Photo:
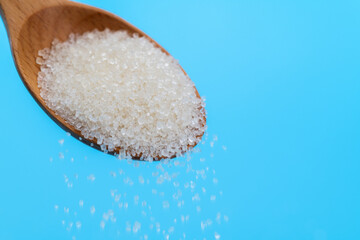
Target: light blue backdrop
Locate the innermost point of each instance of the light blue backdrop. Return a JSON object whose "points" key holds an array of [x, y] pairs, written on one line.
{"points": [[282, 83]]}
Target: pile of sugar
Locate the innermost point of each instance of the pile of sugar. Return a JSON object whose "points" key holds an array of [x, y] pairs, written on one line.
{"points": [[123, 91]]}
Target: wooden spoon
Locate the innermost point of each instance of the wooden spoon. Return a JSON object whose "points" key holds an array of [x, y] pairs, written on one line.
{"points": [[32, 25]]}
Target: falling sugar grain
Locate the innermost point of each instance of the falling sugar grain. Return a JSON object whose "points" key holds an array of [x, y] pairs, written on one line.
{"points": [[164, 200], [92, 209]]}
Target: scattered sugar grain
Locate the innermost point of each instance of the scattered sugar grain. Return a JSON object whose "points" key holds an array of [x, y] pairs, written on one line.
{"points": [[61, 141], [136, 199], [166, 204], [215, 180], [157, 225], [92, 209], [141, 179], [128, 227], [136, 227], [218, 217], [112, 192], [123, 91], [91, 177], [117, 197], [102, 224], [203, 225], [78, 224], [66, 210], [69, 227]]}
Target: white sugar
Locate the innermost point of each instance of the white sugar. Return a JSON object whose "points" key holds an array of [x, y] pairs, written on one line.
{"points": [[122, 91], [91, 177], [92, 209], [136, 227], [102, 224], [166, 204], [78, 224], [66, 210]]}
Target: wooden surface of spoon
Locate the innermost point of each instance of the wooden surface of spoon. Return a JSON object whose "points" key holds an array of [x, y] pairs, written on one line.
{"points": [[33, 24]]}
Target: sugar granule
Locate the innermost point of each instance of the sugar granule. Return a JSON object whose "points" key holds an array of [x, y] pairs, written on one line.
{"points": [[92, 209], [122, 91]]}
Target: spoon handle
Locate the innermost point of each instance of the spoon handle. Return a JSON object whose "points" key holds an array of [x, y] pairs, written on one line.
{"points": [[15, 13]]}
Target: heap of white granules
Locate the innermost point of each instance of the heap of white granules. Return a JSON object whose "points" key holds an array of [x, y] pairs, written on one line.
{"points": [[123, 91]]}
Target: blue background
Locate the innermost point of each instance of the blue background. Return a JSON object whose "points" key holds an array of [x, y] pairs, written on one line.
{"points": [[282, 83]]}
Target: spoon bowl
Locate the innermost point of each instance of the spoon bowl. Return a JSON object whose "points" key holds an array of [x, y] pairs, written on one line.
{"points": [[33, 25]]}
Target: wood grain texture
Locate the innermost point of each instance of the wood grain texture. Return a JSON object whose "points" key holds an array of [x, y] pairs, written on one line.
{"points": [[33, 24]]}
